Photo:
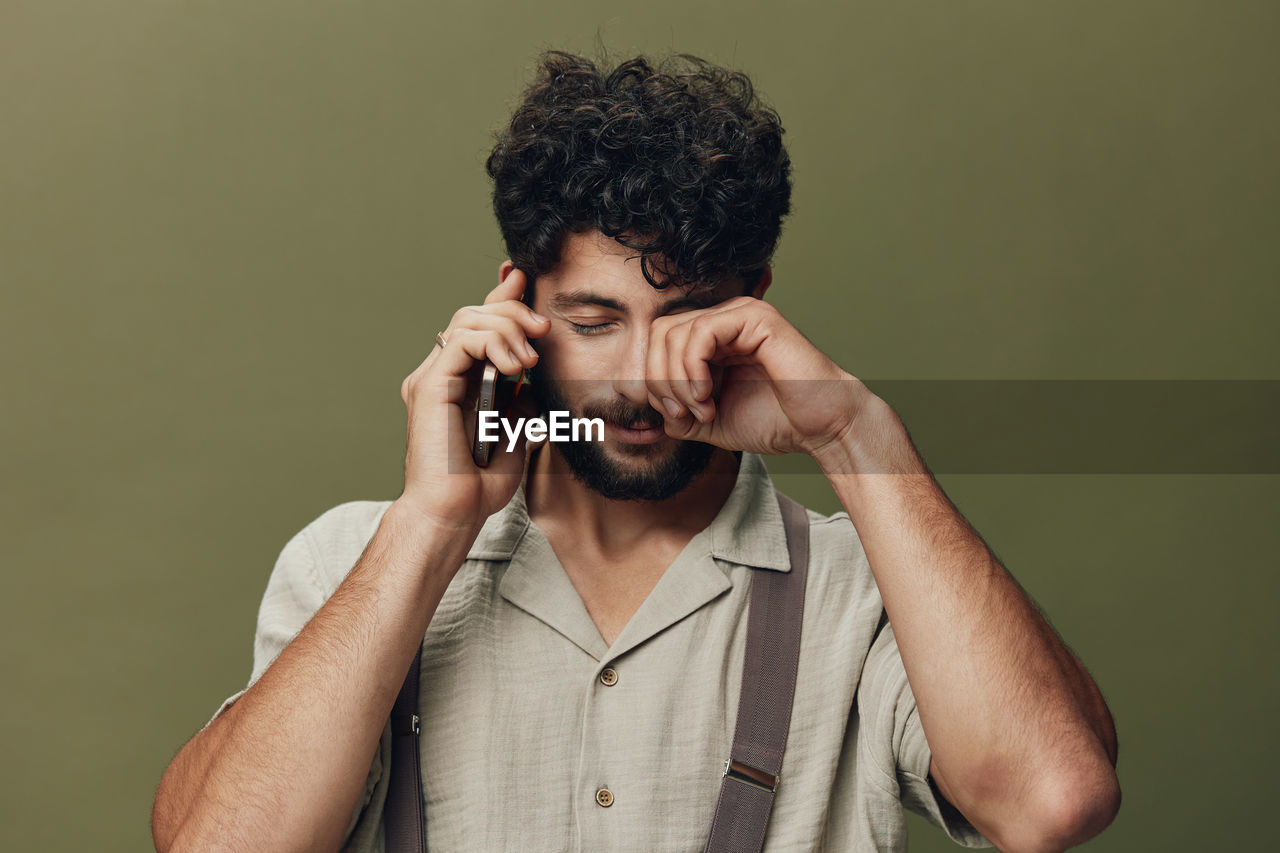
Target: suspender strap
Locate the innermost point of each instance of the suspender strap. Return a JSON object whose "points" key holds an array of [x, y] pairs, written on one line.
{"points": [[769, 669], [406, 824]]}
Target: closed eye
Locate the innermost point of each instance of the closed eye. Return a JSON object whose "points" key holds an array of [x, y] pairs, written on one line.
{"points": [[582, 329]]}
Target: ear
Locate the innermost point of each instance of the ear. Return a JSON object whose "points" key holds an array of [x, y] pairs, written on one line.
{"points": [[765, 280], [504, 270]]}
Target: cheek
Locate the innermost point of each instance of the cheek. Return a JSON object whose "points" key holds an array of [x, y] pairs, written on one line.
{"points": [[572, 363], [578, 357]]}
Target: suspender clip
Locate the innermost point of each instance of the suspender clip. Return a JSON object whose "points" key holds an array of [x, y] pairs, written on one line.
{"points": [[752, 776], [405, 724]]}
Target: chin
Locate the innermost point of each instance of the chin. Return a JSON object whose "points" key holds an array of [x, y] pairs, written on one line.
{"points": [[651, 472]]}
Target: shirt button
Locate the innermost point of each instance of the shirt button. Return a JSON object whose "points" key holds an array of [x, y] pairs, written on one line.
{"points": [[604, 797], [609, 677]]}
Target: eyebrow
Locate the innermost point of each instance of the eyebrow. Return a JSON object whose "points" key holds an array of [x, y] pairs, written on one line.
{"points": [[580, 297]]}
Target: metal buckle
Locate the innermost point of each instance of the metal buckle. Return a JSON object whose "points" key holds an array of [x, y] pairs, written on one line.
{"points": [[752, 776], [407, 724]]}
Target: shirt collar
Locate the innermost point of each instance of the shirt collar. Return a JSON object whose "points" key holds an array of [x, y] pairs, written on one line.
{"points": [[747, 530]]}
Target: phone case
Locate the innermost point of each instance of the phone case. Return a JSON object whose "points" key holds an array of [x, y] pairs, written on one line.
{"points": [[498, 393]]}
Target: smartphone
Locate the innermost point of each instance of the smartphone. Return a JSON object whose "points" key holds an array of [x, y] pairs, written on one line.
{"points": [[497, 393]]}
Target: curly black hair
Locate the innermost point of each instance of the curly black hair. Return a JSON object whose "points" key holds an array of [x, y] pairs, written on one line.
{"points": [[684, 164]]}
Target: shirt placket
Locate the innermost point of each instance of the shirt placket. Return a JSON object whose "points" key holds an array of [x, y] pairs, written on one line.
{"points": [[600, 780]]}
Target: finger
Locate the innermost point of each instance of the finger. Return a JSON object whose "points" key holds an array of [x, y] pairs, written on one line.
{"points": [[512, 287], [534, 324], [467, 346], [697, 369], [685, 428], [657, 381], [489, 318], [676, 342], [729, 337]]}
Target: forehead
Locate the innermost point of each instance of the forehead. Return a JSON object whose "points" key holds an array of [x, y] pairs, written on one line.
{"points": [[595, 263]]}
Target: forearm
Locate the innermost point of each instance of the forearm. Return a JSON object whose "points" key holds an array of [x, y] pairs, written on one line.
{"points": [[281, 769], [1014, 723]]}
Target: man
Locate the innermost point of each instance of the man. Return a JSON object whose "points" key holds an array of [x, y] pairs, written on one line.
{"points": [[581, 607]]}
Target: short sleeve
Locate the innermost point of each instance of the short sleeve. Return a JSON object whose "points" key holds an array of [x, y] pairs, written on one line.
{"points": [[901, 752], [292, 597], [307, 571]]}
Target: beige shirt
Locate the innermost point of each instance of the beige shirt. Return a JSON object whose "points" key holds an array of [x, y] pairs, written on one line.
{"points": [[527, 715]]}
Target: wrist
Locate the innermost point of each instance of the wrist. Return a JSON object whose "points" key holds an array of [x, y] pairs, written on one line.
{"points": [[432, 519], [428, 535], [834, 449], [874, 441]]}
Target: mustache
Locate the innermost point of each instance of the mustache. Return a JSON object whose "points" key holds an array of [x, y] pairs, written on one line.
{"points": [[550, 394], [623, 414]]}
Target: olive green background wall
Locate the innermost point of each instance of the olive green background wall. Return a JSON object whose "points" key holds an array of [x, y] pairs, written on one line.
{"points": [[229, 230]]}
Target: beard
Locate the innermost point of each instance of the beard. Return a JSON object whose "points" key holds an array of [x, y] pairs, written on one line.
{"points": [[590, 464]]}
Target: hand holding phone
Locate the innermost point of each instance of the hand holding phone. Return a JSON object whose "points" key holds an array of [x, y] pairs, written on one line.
{"points": [[486, 349]]}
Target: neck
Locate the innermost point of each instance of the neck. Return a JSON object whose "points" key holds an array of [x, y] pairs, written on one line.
{"points": [[557, 502]]}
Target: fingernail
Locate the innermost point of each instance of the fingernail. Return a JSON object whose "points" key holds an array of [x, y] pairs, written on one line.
{"points": [[701, 388], [528, 348], [672, 407], [540, 318]]}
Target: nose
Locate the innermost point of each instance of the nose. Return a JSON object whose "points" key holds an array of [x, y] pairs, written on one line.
{"points": [[629, 381]]}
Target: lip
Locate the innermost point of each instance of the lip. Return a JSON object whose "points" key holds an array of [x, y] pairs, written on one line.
{"points": [[636, 436]]}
